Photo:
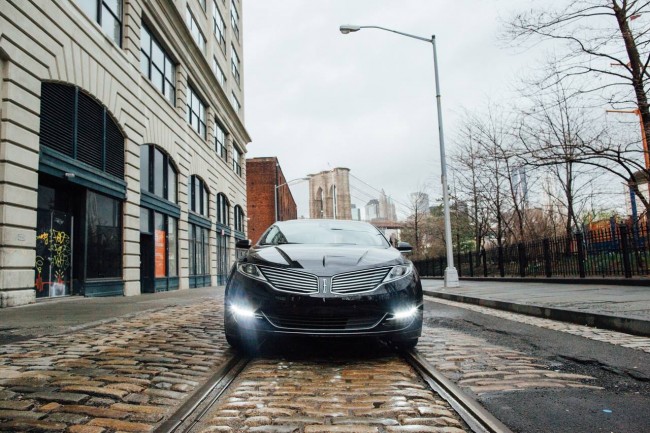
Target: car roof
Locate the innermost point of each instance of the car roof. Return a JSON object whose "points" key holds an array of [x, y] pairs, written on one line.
{"points": [[323, 220]]}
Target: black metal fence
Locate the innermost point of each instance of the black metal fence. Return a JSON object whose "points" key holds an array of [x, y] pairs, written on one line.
{"points": [[619, 251]]}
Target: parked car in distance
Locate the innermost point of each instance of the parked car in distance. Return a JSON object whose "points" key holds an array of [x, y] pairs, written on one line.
{"points": [[323, 278]]}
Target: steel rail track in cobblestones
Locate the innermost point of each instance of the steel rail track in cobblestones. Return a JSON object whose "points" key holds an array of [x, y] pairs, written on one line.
{"points": [[188, 415], [199, 404], [476, 417]]}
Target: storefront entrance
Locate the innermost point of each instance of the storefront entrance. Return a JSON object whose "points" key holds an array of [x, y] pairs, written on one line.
{"points": [[54, 240], [147, 279], [78, 241]]}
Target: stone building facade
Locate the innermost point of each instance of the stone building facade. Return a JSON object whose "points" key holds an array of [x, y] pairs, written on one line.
{"points": [[264, 179], [329, 194], [122, 146]]}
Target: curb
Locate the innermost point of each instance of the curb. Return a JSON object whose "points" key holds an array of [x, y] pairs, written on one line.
{"points": [[556, 280], [602, 321]]}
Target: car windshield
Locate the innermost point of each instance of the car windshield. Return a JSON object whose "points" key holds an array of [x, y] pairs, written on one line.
{"points": [[324, 232]]}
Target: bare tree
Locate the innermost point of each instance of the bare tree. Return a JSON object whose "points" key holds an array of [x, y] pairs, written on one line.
{"points": [[607, 46], [497, 143], [553, 134], [418, 209], [470, 171]]}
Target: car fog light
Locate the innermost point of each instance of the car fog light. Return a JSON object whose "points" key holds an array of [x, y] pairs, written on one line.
{"points": [[243, 312], [405, 314]]}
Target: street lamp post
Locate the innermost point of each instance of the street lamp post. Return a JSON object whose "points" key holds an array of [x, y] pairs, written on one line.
{"points": [[276, 189], [451, 274]]}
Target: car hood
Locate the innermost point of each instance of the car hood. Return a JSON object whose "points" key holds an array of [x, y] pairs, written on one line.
{"points": [[325, 260]]}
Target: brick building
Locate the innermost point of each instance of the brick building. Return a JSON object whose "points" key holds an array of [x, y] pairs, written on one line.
{"points": [[262, 177], [122, 142]]}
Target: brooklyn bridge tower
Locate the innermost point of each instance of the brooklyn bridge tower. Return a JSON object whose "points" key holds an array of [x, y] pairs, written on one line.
{"points": [[329, 194]]}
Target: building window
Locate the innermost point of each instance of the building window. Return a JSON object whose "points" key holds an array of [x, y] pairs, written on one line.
{"points": [[220, 140], [104, 234], [223, 210], [221, 77], [76, 125], [236, 161], [234, 19], [199, 246], [156, 65], [197, 35], [235, 102], [157, 173], [219, 27], [223, 257], [198, 196], [108, 14], [165, 245], [234, 63], [239, 219], [195, 112]]}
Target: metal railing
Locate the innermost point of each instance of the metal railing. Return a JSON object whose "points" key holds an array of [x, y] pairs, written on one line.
{"points": [[621, 251]]}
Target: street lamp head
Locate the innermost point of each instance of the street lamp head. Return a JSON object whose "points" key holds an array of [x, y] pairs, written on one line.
{"points": [[347, 28]]}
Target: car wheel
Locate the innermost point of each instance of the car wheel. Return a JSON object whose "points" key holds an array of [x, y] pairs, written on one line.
{"points": [[233, 341], [242, 343], [232, 332]]}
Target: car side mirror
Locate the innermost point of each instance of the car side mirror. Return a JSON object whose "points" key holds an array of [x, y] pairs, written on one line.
{"points": [[243, 244], [404, 247]]}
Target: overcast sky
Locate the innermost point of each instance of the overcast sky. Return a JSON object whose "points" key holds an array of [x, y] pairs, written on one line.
{"points": [[318, 99]]}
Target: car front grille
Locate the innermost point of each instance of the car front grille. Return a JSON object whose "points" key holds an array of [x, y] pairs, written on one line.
{"points": [[312, 322], [289, 280], [358, 281]]}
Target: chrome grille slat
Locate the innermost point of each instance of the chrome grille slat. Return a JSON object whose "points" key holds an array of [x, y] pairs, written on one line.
{"points": [[359, 281], [289, 280], [311, 322]]}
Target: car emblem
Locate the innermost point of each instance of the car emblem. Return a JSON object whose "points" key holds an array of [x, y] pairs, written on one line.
{"points": [[324, 280]]}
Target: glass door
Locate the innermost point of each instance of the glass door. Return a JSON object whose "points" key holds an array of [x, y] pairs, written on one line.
{"points": [[53, 268]]}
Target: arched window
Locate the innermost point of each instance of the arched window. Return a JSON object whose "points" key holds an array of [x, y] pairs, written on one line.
{"points": [[239, 219], [320, 204], [76, 125], [223, 238], [157, 173], [198, 196], [158, 220], [223, 210]]}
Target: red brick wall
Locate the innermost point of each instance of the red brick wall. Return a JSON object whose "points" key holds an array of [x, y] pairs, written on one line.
{"points": [[260, 189]]}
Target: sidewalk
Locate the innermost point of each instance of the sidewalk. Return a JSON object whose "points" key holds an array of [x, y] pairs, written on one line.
{"points": [[619, 308], [60, 315]]}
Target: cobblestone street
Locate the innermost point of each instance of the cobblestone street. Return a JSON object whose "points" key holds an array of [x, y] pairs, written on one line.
{"points": [[123, 376], [604, 335], [382, 395], [132, 373]]}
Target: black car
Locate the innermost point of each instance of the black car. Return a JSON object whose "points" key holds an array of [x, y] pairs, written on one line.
{"points": [[323, 278]]}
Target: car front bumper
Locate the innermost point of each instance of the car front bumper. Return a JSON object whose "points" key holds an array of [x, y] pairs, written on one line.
{"points": [[254, 308]]}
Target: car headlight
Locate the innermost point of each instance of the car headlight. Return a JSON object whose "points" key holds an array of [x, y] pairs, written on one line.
{"points": [[250, 270], [399, 271]]}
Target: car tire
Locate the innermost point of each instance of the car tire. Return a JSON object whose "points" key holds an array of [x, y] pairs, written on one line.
{"points": [[244, 344], [233, 341]]}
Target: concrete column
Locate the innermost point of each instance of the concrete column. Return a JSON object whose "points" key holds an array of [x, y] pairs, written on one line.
{"points": [[20, 95]]}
